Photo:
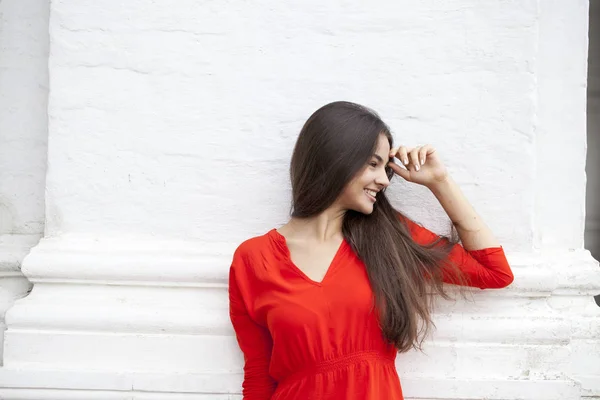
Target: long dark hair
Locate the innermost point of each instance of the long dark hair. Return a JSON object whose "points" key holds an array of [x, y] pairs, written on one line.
{"points": [[335, 143]]}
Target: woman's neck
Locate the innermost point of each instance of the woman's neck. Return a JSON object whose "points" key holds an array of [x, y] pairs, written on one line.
{"points": [[320, 228]]}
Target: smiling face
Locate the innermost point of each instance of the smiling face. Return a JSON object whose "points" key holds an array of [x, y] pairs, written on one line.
{"points": [[360, 194], [342, 149]]}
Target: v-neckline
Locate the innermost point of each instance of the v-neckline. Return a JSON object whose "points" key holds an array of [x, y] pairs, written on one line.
{"points": [[282, 241]]}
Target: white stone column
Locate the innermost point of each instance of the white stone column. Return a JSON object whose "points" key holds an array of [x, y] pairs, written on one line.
{"points": [[130, 295], [560, 189], [23, 133], [170, 131]]}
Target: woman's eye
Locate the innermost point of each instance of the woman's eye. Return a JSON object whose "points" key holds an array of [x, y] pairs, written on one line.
{"points": [[373, 164]]}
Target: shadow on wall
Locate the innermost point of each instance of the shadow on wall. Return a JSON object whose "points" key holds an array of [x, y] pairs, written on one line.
{"points": [[592, 219], [6, 217]]}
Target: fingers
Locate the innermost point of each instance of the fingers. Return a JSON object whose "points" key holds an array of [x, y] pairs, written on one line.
{"points": [[404, 173], [414, 158], [401, 153], [423, 153]]}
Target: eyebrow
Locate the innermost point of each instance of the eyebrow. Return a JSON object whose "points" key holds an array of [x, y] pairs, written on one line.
{"points": [[378, 158]]}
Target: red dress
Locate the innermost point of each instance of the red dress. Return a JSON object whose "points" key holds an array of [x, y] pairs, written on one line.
{"points": [[305, 340]]}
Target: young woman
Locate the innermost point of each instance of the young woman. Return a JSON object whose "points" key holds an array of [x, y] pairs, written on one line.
{"points": [[322, 305]]}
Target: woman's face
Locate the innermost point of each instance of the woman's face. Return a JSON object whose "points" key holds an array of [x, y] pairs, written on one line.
{"points": [[360, 194]]}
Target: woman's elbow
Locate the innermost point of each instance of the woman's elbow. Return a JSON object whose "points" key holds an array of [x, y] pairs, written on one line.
{"points": [[505, 280], [499, 281], [508, 280]]}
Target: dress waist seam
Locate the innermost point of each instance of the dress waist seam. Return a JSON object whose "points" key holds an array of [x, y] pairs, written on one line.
{"points": [[339, 362]]}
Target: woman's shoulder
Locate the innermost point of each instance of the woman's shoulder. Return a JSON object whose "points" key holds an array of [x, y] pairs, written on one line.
{"points": [[411, 225], [418, 232], [254, 257], [255, 246]]}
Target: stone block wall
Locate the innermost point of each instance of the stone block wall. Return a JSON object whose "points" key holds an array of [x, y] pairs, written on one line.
{"points": [[170, 127]]}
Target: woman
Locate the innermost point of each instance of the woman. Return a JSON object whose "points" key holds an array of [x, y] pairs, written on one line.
{"points": [[322, 305]]}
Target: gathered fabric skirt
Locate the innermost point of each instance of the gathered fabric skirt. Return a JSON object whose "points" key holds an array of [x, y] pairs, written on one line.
{"points": [[357, 376]]}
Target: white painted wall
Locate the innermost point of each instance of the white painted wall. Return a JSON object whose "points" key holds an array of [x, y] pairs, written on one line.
{"points": [[23, 137], [170, 131]]}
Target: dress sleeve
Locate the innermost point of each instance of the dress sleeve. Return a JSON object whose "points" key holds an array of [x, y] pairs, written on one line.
{"points": [[485, 268], [254, 341]]}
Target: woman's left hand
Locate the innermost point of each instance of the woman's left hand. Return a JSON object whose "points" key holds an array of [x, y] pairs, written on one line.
{"points": [[422, 163]]}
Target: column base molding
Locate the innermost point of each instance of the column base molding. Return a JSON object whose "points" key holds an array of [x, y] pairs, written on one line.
{"points": [[76, 385], [13, 284], [157, 313]]}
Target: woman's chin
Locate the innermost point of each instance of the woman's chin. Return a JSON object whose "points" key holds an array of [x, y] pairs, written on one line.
{"points": [[365, 208]]}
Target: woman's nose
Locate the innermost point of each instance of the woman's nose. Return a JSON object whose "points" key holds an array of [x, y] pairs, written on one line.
{"points": [[382, 179]]}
